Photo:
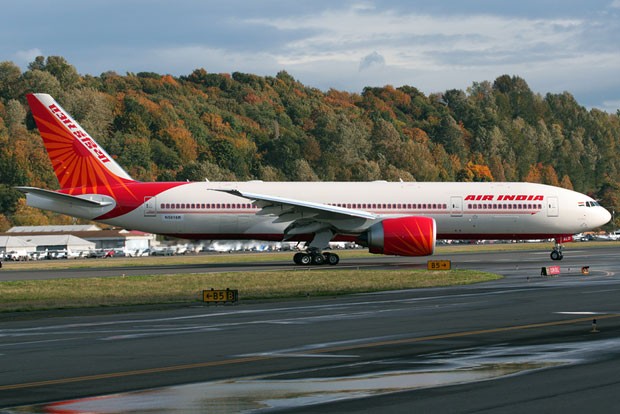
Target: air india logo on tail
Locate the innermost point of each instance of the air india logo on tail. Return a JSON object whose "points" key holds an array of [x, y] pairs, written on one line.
{"points": [[80, 134]]}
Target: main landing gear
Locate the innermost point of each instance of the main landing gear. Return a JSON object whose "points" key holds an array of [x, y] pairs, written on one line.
{"points": [[315, 257], [556, 254]]}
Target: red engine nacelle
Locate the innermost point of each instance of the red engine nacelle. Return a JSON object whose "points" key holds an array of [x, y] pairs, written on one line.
{"points": [[404, 236]]}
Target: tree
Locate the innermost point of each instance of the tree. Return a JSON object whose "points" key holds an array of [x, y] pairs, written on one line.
{"points": [[58, 67], [164, 157], [386, 143], [201, 171], [449, 134], [303, 172], [5, 224], [28, 216], [182, 140], [15, 115], [41, 82], [10, 81], [94, 111], [566, 183]]}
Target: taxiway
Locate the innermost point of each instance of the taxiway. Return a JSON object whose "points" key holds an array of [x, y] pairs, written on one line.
{"points": [[522, 343]]}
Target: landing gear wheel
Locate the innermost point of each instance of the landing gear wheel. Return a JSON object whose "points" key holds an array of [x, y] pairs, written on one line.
{"points": [[331, 258], [303, 259], [318, 259], [556, 255], [297, 258]]}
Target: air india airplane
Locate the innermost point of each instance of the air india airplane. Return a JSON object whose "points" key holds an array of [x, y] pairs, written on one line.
{"points": [[392, 218]]}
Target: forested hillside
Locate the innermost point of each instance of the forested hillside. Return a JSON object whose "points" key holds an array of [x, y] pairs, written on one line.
{"points": [[241, 126]]}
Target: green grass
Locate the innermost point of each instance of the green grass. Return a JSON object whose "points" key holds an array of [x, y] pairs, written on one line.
{"points": [[282, 256], [183, 288]]}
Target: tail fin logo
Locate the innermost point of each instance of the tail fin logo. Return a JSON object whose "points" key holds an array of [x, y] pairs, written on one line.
{"points": [[79, 163], [80, 134]]}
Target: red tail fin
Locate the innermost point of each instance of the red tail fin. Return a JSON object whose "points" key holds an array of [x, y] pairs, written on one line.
{"points": [[80, 164]]}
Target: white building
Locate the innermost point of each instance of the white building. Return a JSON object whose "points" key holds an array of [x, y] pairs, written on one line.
{"points": [[16, 246], [82, 238], [56, 242]]}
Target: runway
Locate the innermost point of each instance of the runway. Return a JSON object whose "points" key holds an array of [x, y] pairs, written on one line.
{"points": [[519, 344]]}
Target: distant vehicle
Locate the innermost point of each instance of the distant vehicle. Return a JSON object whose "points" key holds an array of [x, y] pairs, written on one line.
{"points": [[16, 256], [73, 254], [181, 250], [94, 254], [165, 251]]}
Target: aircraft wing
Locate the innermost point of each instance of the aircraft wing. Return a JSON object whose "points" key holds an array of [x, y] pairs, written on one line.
{"points": [[293, 210]]}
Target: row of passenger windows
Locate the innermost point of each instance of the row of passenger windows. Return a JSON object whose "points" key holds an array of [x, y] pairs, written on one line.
{"points": [[504, 206], [245, 206], [373, 206], [206, 206]]}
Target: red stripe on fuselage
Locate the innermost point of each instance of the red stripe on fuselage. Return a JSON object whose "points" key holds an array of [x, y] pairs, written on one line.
{"points": [[129, 196]]}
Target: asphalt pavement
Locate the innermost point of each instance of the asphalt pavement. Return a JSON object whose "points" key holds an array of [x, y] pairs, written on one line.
{"points": [[523, 343]]}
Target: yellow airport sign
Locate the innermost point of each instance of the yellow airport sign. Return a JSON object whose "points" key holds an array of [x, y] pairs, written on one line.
{"points": [[224, 296], [439, 265]]}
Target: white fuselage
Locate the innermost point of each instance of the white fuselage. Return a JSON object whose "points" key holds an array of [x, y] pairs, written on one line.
{"points": [[461, 210]]}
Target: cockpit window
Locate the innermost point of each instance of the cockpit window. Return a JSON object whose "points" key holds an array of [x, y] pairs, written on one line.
{"points": [[591, 204]]}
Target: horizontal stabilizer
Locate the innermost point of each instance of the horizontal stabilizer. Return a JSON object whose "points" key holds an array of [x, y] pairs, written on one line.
{"points": [[65, 198]]}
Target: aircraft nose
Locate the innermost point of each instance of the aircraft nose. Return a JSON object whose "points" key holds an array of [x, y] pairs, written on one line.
{"points": [[603, 217]]}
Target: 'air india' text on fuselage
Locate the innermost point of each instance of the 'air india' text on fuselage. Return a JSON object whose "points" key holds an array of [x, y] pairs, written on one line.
{"points": [[504, 197]]}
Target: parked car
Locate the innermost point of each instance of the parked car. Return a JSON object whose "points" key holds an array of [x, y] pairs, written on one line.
{"points": [[165, 251], [93, 254]]}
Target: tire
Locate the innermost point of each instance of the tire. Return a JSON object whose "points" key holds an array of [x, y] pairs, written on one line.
{"points": [[318, 259], [555, 255], [331, 259], [297, 258], [305, 259]]}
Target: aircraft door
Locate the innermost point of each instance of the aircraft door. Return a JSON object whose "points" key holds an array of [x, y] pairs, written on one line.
{"points": [[552, 206], [150, 206], [456, 206]]}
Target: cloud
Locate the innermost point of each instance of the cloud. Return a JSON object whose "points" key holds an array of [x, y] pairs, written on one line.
{"points": [[214, 60], [435, 50], [414, 41], [611, 106], [348, 45], [373, 60], [22, 57]]}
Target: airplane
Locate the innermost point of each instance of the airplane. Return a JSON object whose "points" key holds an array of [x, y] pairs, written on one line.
{"points": [[391, 218]]}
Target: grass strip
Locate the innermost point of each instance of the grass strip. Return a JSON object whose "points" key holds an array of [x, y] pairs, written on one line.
{"points": [[183, 288], [262, 257]]}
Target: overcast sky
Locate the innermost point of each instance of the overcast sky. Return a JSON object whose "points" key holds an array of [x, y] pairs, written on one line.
{"points": [[556, 46]]}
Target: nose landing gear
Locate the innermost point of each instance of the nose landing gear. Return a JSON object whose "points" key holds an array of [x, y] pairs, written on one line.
{"points": [[556, 254]]}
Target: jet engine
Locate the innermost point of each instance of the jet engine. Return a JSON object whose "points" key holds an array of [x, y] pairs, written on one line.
{"points": [[403, 236]]}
